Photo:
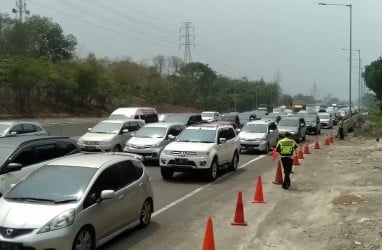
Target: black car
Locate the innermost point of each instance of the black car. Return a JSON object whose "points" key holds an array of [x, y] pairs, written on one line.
{"points": [[19, 152], [313, 125], [231, 117], [185, 118]]}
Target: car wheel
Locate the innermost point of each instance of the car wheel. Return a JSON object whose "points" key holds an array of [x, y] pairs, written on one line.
{"points": [[235, 162], [166, 173], [213, 172], [146, 211], [266, 150], [84, 240], [117, 148]]}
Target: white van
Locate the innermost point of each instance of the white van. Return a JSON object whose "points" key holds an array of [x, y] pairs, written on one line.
{"points": [[210, 116], [143, 113]]}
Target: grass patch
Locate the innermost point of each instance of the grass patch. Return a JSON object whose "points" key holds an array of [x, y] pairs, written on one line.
{"points": [[375, 116]]}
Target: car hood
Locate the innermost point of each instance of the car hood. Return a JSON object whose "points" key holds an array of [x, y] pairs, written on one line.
{"points": [[140, 141], [14, 215], [189, 146], [251, 135], [97, 137], [287, 128], [324, 120]]}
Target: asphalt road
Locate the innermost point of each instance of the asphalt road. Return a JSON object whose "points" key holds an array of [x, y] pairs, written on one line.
{"points": [[183, 204]]}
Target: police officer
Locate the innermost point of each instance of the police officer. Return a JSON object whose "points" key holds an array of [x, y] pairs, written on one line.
{"points": [[341, 128], [286, 147]]}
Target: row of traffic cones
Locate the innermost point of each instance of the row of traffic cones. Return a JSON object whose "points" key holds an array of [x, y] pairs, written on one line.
{"points": [[238, 220], [209, 242]]}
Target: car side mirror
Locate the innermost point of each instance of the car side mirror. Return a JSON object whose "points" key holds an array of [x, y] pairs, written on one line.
{"points": [[107, 195], [13, 167], [271, 131], [171, 137], [302, 124], [89, 129], [13, 133], [222, 140], [124, 131]]}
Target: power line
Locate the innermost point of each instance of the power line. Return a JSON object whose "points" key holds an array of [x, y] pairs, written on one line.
{"points": [[98, 25], [106, 19], [21, 8]]}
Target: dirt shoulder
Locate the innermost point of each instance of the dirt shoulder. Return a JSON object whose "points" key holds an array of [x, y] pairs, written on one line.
{"points": [[334, 202]]}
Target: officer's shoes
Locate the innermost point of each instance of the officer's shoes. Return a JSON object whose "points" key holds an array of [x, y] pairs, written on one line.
{"points": [[285, 187]]}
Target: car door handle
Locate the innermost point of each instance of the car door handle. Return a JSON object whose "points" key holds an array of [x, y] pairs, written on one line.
{"points": [[140, 184], [121, 197]]}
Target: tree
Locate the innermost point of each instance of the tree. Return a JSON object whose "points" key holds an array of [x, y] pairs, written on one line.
{"points": [[373, 77]]}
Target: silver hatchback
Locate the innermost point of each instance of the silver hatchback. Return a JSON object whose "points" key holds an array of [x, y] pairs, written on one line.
{"points": [[76, 202]]}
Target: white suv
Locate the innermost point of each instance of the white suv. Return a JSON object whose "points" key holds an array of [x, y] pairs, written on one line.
{"points": [[206, 147]]}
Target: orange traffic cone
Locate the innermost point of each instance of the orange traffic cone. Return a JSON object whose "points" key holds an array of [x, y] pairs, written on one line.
{"points": [[326, 142], [331, 140], [300, 155], [295, 159], [258, 197], [209, 242], [279, 175], [306, 149], [239, 214], [317, 144], [274, 154]]}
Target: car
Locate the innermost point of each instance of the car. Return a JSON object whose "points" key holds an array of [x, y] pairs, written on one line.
{"points": [[210, 116], [230, 123], [313, 124], [325, 120], [109, 135], [19, 153], [148, 114], [76, 202], [12, 128], [275, 117], [231, 117], [149, 140], [258, 135], [204, 148], [185, 118], [295, 125]]}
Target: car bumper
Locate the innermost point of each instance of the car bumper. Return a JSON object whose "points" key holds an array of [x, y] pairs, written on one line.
{"points": [[253, 145], [181, 164], [61, 239], [326, 125], [147, 153], [95, 148], [295, 137]]}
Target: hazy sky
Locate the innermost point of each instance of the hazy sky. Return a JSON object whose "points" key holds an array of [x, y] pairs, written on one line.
{"points": [[300, 39]]}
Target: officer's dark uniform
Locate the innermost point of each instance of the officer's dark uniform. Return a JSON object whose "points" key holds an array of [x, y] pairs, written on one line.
{"points": [[285, 147], [341, 129]]}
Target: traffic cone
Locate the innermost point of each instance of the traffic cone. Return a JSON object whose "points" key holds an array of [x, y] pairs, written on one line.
{"points": [[295, 159], [239, 213], [279, 175], [258, 197], [306, 149], [209, 242], [326, 142], [331, 140], [317, 144], [300, 154], [275, 154]]}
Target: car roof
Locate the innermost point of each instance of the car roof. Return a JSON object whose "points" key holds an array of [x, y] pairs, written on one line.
{"points": [[260, 122], [162, 124], [11, 122], [13, 141], [208, 126], [92, 160], [121, 120]]}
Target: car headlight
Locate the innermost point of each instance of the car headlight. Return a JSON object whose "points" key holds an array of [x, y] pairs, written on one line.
{"points": [[104, 142], [154, 145], [62, 220], [202, 154], [167, 152]]}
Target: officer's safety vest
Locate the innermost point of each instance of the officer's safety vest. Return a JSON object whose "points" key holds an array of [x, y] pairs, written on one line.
{"points": [[286, 146]]}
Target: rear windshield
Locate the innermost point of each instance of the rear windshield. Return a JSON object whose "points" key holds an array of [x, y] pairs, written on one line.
{"points": [[288, 122]]}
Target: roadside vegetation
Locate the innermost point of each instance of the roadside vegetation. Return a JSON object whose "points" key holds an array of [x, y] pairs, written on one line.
{"points": [[41, 75]]}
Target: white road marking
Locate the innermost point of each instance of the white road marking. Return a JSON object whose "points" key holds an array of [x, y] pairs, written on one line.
{"points": [[199, 189]]}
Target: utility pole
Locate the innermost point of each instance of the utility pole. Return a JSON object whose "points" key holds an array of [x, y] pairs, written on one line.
{"points": [[185, 40], [21, 8]]}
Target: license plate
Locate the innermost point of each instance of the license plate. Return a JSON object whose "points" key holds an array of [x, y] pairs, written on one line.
{"points": [[10, 246], [181, 161]]}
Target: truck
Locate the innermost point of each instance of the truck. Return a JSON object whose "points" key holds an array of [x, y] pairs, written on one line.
{"points": [[297, 106]]}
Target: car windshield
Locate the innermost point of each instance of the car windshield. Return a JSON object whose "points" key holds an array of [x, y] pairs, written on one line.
{"points": [[310, 119], [208, 114], [197, 135], [176, 118], [230, 118], [288, 122], [324, 116], [151, 132], [254, 128], [3, 127], [54, 184], [107, 128]]}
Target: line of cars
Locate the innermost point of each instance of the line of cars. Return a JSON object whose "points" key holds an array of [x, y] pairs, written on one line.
{"points": [[66, 195]]}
